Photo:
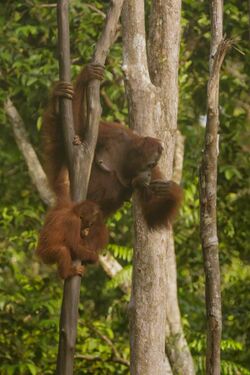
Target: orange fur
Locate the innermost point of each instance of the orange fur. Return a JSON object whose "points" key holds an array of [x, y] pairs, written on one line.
{"points": [[72, 231], [123, 161]]}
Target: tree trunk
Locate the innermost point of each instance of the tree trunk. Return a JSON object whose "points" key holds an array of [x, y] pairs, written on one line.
{"points": [[148, 300], [71, 292], [163, 57], [152, 111], [208, 193]]}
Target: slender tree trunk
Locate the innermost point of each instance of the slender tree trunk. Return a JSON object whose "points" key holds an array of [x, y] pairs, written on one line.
{"points": [[208, 193], [69, 311], [79, 160]]}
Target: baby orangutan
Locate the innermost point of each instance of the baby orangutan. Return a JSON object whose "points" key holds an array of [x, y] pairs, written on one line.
{"points": [[72, 231]]}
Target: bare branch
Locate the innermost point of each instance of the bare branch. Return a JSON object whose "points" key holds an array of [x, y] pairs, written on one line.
{"points": [[112, 268], [96, 10], [45, 5], [91, 358], [116, 356], [36, 172]]}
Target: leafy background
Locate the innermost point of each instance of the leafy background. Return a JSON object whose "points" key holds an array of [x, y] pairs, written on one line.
{"points": [[30, 292]]}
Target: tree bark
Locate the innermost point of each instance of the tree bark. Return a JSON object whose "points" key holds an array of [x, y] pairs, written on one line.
{"points": [[163, 57], [208, 193], [80, 160], [153, 103], [148, 300]]}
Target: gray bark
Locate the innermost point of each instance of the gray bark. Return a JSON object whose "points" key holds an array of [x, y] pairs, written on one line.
{"points": [[208, 193], [163, 57], [153, 101], [148, 300]]}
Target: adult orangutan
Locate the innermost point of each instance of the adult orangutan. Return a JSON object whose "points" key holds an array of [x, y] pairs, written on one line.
{"points": [[123, 160]]}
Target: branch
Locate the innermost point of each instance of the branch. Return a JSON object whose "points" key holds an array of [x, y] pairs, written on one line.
{"points": [[112, 268], [208, 194], [36, 172], [45, 5], [96, 10], [217, 60], [116, 356], [91, 358], [75, 156], [80, 161]]}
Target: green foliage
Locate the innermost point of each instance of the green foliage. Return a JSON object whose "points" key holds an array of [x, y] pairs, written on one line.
{"points": [[31, 293]]}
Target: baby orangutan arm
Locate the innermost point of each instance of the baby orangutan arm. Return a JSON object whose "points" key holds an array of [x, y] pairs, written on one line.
{"points": [[66, 268]]}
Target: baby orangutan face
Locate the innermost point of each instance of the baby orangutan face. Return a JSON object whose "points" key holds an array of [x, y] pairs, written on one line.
{"points": [[89, 214]]}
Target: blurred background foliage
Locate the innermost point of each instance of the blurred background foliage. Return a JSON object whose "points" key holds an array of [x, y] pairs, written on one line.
{"points": [[30, 292]]}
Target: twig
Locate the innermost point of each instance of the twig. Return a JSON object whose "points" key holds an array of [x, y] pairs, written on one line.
{"points": [[116, 356], [87, 357], [45, 5], [96, 10]]}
